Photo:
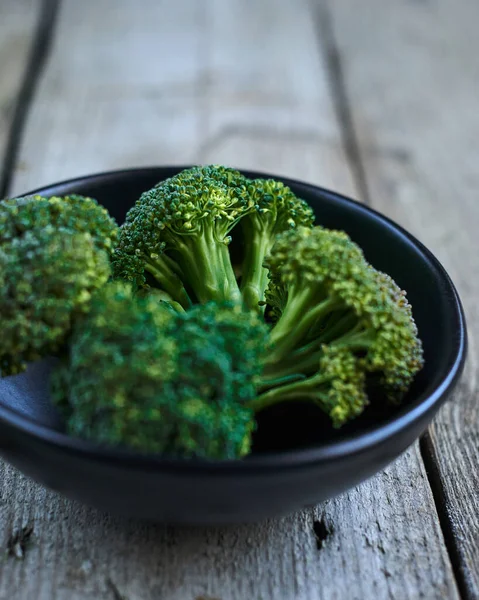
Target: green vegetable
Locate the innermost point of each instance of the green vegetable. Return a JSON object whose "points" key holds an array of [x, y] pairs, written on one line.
{"points": [[53, 255], [277, 209], [108, 382], [328, 299], [337, 387], [140, 374], [225, 301], [74, 213], [178, 232]]}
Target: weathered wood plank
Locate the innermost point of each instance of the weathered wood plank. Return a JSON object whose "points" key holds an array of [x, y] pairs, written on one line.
{"points": [[413, 79], [17, 25], [380, 538], [220, 88], [241, 85]]}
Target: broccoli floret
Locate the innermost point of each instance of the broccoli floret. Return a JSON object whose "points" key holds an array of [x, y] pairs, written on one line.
{"points": [[178, 232], [326, 295], [223, 332], [142, 365], [76, 213], [53, 255], [109, 384], [45, 280], [176, 383], [277, 209], [219, 365], [318, 275], [338, 387], [397, 353]]}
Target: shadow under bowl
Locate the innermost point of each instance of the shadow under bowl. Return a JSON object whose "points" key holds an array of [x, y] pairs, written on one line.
{"points": [[298, 459]]}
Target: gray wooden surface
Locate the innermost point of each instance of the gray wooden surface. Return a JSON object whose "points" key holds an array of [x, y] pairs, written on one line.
{"points": [[414, 108], [17, 25], [379, 102]]}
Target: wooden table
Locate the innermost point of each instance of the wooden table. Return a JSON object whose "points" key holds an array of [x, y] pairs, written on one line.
{"points": [[379, 100]]}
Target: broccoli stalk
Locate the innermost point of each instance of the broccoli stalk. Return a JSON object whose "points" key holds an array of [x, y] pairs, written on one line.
{"points": [[168, 274], [204, 257], [133, 257], [277, 209], [337, 387]]}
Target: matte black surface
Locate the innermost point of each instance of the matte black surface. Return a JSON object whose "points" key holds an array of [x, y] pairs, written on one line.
{"points": [[298, 459]]}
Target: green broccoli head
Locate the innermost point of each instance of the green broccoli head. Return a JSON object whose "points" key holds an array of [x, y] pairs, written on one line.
{"points": [[397, 351], [220, 351], [45, 279], [339, 387], [326, 295], [75, 213], [316, 274], [178, 232], [109, 384], [223, 332], [276, 209], [53, 255], [142, 375]]}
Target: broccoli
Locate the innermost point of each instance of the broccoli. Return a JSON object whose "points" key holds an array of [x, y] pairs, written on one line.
{"points": [[140, 374], [277, 209], [108, 383], [328, 299], [164, 345], [178, 232], [53, 255], [75, 213], [338, 387], [219, 365]]}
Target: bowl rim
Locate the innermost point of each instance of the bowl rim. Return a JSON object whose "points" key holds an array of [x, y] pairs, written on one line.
{"points": [[353, 444]]}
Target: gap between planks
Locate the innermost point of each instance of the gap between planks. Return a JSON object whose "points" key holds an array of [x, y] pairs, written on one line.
{"points": [[35, 63], [354, 154], [412, 74], [341, 100]]}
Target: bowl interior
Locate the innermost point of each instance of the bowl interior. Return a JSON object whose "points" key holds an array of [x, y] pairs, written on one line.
{"points": [[385, 245]]}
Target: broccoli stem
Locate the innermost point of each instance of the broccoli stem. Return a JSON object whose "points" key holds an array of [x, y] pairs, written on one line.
{"points": [[173, 265], [233, 291], [165, 297], [207, 267], [335, 329], [168, 281], [266, 384], [346, 333], [297, 390], [326, 324], [254, 276], [338, 328], [296, 321]]}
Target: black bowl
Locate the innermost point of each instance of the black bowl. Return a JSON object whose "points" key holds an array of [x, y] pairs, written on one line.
{"points": [[298, 460]]}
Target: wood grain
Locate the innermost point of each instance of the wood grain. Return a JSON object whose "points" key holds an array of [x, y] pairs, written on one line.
{"points": [[380, 538], [413, 85], [17, 25], [209, 82]]}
